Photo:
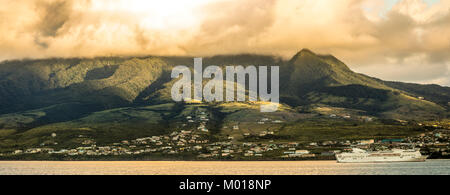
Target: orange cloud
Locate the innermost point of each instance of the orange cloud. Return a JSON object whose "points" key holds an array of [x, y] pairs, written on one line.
{"points": [[391, 44]]}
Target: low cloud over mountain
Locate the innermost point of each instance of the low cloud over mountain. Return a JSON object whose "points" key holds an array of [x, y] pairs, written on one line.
{"points": [[406, 40]]}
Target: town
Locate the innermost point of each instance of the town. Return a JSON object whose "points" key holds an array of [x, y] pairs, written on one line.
{"points": [[196, 145]]}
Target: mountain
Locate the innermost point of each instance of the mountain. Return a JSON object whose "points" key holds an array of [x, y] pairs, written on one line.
{"points": [[112, 98], [314, 79], [310, 72]]}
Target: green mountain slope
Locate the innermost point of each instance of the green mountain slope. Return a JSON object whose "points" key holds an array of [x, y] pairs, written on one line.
{"points": [[314, 79], [100, 83], [115, 98]]}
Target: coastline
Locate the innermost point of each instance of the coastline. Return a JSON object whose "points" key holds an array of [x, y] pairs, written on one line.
{"points": [[178, 159]]}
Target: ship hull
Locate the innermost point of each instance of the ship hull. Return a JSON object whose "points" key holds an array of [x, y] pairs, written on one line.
{"points": [[393, 160], [396, 155]]}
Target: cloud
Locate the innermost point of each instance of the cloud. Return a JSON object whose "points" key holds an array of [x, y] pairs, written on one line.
{"points": [[231, 27], [54, 16], [408, 40]]}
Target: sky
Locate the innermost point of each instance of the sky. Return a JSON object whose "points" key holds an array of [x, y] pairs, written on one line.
{"points": [[400, 40]]}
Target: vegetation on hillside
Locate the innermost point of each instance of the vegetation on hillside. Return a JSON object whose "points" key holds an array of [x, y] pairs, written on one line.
{"points": [[115, 98]]}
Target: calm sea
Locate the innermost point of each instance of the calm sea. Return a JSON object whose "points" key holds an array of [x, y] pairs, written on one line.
{"points": [[430, 167]]}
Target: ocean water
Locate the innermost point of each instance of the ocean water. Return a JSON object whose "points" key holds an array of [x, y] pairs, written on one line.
{"points": [[430, 167]]}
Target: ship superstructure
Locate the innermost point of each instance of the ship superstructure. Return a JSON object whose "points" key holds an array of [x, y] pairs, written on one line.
{"points": [[395, 155]]}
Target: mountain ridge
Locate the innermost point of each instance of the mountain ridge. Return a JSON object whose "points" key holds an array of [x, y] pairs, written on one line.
{"points": [[304, 72], [117, 96]]}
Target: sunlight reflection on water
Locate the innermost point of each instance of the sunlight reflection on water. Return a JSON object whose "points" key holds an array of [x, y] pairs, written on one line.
{"points": [[431, 167]]}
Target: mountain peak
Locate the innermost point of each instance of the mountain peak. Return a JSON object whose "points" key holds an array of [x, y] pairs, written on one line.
{"points": [[306, 50], [309, 71], [303, 53], [309, 57]]}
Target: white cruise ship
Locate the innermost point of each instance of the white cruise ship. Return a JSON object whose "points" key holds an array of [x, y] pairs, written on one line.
{"points": [[395, 155]]}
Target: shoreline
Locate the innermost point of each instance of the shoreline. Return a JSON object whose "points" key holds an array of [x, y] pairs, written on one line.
{"points": [[173, 160], [187, 161]]}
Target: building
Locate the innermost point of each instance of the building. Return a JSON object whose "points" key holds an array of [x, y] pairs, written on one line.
{"points": [[392, 140], [301, 152], [366, 142]]}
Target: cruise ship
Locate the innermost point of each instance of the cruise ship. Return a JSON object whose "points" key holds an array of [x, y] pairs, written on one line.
{"points": [[395, 155]]}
